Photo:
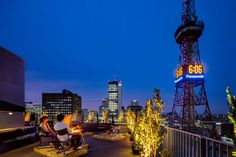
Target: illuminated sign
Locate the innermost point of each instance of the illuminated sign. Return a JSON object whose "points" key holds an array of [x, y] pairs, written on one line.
{"points": [[189, 72], [179, 72], [179, 79], [195, 69], [195, 76]]}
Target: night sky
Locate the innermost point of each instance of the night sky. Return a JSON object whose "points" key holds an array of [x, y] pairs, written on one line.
{"points": [[82, 44]]}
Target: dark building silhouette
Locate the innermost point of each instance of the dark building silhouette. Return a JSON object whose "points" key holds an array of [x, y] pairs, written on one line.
{"points": [[104, 106], [134, 106], [12, 90], [65, 103]]}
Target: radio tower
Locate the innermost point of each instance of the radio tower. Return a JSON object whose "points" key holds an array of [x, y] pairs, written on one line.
{"points": [[190, 91]]}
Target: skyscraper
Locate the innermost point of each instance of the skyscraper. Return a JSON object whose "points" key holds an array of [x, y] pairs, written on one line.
{"points": [[12, 90], [65, 103], [114, 97]]}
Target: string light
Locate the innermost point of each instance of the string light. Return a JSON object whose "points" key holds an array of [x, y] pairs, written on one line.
{"points": [[149, 130]]}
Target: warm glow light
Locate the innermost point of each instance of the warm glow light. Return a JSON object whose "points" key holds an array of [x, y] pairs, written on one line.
{"points": [[130, 119], [195, 69], [179, 72], [192, 71], [121, 117], [105, 116], [91, 116], [232, 114], [76, 130], [10, 113], [67, 119], [149, 132]]}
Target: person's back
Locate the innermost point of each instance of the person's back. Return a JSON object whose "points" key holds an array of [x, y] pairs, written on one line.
{"points": [[60, 126]]}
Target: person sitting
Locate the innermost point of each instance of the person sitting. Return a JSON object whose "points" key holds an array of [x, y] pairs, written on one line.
{"points": [[74, 138], [113, 131], [44, 128], [46, 131]]}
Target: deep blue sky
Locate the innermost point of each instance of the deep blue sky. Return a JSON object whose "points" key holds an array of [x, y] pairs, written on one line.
{"points": [[81, 44]]}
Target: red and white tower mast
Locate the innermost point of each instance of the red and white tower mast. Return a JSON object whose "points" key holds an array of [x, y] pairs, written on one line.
{"points": [[189, 83]]}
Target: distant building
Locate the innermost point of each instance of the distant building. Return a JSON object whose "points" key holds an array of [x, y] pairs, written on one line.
{"points": [[134, 106], [225, 129], [85, 113], [12, 90], [34, 108], [134, 103], [104, 106], [65, 103], [114, 97]]}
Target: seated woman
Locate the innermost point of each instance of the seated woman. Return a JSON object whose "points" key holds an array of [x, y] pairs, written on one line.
{"points": [[44, 128], [74, 138]]}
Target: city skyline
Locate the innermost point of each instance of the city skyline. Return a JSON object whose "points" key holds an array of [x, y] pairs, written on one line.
{"points": [[74, 50]]}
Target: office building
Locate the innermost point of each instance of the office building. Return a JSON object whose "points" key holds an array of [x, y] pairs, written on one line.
{"points": [[104, 106], [134, 106], [34, 108], [12, 90], [65, 103], [114, 97]]}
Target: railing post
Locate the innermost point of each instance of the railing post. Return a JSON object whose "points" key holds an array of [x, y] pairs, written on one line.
{"points": [[184, 144], [213, 149], [179, 140], [219, 150], [190, 145], [174, 144], [197, 147], [203, 147], [227, 150]]}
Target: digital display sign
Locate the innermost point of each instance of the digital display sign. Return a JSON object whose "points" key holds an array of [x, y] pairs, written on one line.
{"points": [[195, 69], [190, 71]]}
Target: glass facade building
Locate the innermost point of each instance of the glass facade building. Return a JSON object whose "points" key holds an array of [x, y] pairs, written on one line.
{"points": [[114, 97]]}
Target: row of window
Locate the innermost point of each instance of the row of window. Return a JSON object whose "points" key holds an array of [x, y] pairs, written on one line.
{"points": [[112, 87]]}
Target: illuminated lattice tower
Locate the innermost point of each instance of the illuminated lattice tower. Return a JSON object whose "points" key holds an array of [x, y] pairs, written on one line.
{"points": [[189, 83]]}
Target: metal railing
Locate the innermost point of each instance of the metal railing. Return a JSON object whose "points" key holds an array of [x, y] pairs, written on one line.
{"points": [[184, 144]]}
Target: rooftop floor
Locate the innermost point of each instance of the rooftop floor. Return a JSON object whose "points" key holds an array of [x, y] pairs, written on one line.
{"points": [[98, 148]]}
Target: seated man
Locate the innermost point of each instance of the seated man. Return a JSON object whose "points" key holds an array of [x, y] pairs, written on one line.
{"points": [[75, 139]]}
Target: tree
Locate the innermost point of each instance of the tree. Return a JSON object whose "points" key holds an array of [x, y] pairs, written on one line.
{"points": [[149, 130], [105, 116], [130, 120], [27, 116], [91, 116], [232, 115], [121, 117]]}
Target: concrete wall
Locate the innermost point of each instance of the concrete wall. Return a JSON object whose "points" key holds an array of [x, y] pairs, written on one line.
{"points": [[11, 121], [11, 78], [12, 90]]}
